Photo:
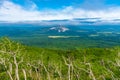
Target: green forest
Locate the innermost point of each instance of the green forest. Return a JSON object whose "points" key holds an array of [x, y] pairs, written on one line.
{"points": [[21, 62]]}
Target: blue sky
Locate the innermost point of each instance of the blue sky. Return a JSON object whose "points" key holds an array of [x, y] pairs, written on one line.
{"points": [[58, 4], [20, 10]]}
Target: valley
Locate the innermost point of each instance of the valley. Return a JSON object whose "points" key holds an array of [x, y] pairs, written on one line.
{"points": [[63, 36]]}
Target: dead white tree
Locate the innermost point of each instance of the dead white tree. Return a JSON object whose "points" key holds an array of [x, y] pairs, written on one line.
{"points": [[68, 62], [17, 67], [10, 51], [24, 72], [3, 62], [91, 74]]}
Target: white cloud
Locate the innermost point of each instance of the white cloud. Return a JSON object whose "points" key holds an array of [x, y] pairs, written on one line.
{"points": [[10, 11]]}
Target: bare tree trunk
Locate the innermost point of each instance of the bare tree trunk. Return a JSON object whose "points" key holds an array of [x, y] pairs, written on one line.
{"points": [[69, 63], [91, 72], [69, 69], [9, 75], [16, 68], [24, 72], [8, 72], [10, 67]]}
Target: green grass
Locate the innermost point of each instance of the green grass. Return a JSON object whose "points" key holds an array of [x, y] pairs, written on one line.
{"points": [[54, 64]]}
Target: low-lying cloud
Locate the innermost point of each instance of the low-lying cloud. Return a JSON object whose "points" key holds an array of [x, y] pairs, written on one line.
{"points": [[10, 11]]}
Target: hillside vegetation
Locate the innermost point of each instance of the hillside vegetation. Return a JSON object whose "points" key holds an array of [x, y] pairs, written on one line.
{"points": [[19, 62]]}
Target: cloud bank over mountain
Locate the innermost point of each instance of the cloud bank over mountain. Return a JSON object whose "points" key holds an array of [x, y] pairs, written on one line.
{"points": [[10, 11]]}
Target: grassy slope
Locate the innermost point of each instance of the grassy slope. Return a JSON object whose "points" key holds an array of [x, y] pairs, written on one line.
{"points": [[102, 60], [49, 64]]}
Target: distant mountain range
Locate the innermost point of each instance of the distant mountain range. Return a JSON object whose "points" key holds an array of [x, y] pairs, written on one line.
{"points": [[75, 21]]}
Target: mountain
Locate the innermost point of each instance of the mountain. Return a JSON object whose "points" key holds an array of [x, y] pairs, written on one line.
{"points": [[59, 28], [74, 21]]}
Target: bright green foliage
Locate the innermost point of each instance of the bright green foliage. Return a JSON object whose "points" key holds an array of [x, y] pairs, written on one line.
{"points": [[18, 62]]}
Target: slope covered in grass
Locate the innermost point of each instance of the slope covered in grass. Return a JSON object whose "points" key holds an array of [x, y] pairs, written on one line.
{"points": [[19, 62]]}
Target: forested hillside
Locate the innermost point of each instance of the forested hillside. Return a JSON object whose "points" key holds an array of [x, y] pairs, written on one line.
{"points": [[20, 62]]}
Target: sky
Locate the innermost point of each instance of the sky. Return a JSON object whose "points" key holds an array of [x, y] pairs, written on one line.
{"points": [[37, 10]]}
